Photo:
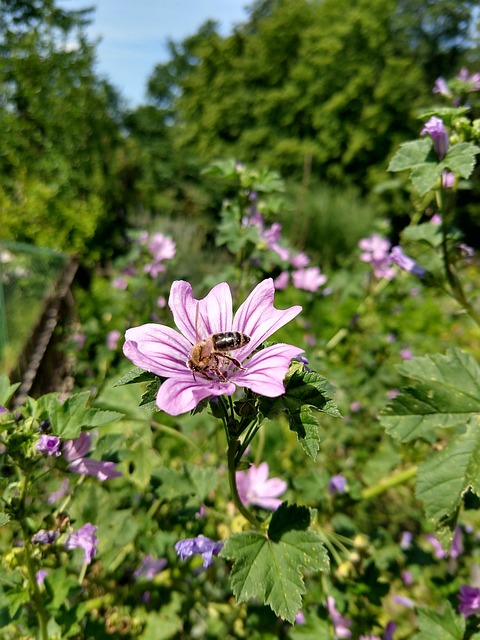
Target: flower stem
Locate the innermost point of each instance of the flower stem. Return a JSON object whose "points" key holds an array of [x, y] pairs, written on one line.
{"points": [[232, 451], [389, 482]]}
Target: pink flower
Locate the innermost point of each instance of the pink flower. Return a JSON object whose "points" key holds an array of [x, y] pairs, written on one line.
{"points": [[376, 251], [167, 353], [300, 261], [281, 281], [341, 625], [436, 128], [85, 539], [309, 279], [254, 487], [76, 450], [112, 339], [162, 247]]}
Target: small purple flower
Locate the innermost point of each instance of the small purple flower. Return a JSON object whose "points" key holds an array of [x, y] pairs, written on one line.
{"points": [[448, 179], [438, 550], [407, 578], [206, 547], [436, 219], [112, 339], [389, 630], [341, 625], [309, 279], [435, 127], [49, 444], [85, 539], [40, 576], [441, 87], [404, 601], [58, 495], [469, 601], [300, 261], [376, 251], [76, 450], [457, 543], [281, 281], [254, 487], [149, 567], [406, 354], [300, 618], [406, 263], [337, 484], [355, 406], [120, 283], [44, 536], [3, 410], [392, 393], [161, 247], [406, 540], [166, 352]]}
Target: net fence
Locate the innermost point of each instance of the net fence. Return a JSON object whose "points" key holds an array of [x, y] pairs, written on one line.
{"points": [[28, 278]]}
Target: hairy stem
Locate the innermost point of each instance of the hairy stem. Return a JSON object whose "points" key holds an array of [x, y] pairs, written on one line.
{"points": [[387, 483]]}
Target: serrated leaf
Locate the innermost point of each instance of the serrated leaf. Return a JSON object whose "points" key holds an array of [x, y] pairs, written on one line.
{"points": [[445, 625], [67, 419], [134, 376], [460, 158], [4, 518], [98, 418], [444, 392], [420, 158], [304, 391], [444, 477], [269, 568], [150, 394]]}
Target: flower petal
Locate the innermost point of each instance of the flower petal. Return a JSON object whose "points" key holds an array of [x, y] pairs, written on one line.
{"points": [[157, 348], [182, 393], [265, 370], [258, 318], [198, 319]]}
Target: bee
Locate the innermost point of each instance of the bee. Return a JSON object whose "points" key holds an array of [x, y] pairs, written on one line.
{"points": [[207, 355]]}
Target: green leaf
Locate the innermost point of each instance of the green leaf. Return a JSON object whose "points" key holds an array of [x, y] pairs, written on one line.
{"points": [[68, 418], [420, 158], [445, 625], [460, 158], [135, 376], [444, 392], [16, 598], [4, 518], [6, 389], [150, 394], [269, 568], [443, 478], [304, 391]]}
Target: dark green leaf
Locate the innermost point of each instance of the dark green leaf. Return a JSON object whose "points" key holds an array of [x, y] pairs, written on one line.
{"points": [[444, 625], [270, 568], [444, 391], [135, 376]]}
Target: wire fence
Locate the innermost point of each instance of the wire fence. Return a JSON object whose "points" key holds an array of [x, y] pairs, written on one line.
{"points": [[29, 278]]}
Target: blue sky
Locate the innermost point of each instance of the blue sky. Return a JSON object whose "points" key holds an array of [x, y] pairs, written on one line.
{"points": [[134, 34]]}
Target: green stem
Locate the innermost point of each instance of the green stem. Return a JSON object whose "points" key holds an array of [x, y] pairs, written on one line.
{"points": [[174, 433], [232, 451], [27, 550], [389, 482]]}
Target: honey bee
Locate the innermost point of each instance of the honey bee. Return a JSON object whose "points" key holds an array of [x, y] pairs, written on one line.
{"points": [[206, 355]]}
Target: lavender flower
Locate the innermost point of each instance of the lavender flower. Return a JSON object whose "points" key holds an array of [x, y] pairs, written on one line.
{"points": [[166, 352], [337, 484], [406, 263], [448, 179], [84, 538], [435, 127], [441, 87], [149, 567], [3, 410], [376, 251], [58, 495], [406, 540], [281, 281], [300, 261], [40, 576], [112, 339], [75, 451], [206, 547], [254, 487], [404, 601], [310, 279], [469, 601], [341, 625], [49, 444], [44, 536]]}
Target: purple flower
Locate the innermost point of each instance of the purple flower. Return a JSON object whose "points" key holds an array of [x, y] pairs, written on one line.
{"points": [[406, 263], [406, 354], [438, 550], [389, 630], [44, 536], [337, 484], [75, 451], [300, 618], [376, 251], [58, 495], [439, 133], [49, 444], [206, 547], [442, 88], [168, 353], [120, 283], [407, 577], [149, 567], [112, 339], [254, 487], [310, 279], [3, 410], [300, 261], [85, 539], [472, 80], [469, 598], [341, 625], [406, 540], [281, 281], [448, 179], [40, 576], [404, 601]]}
